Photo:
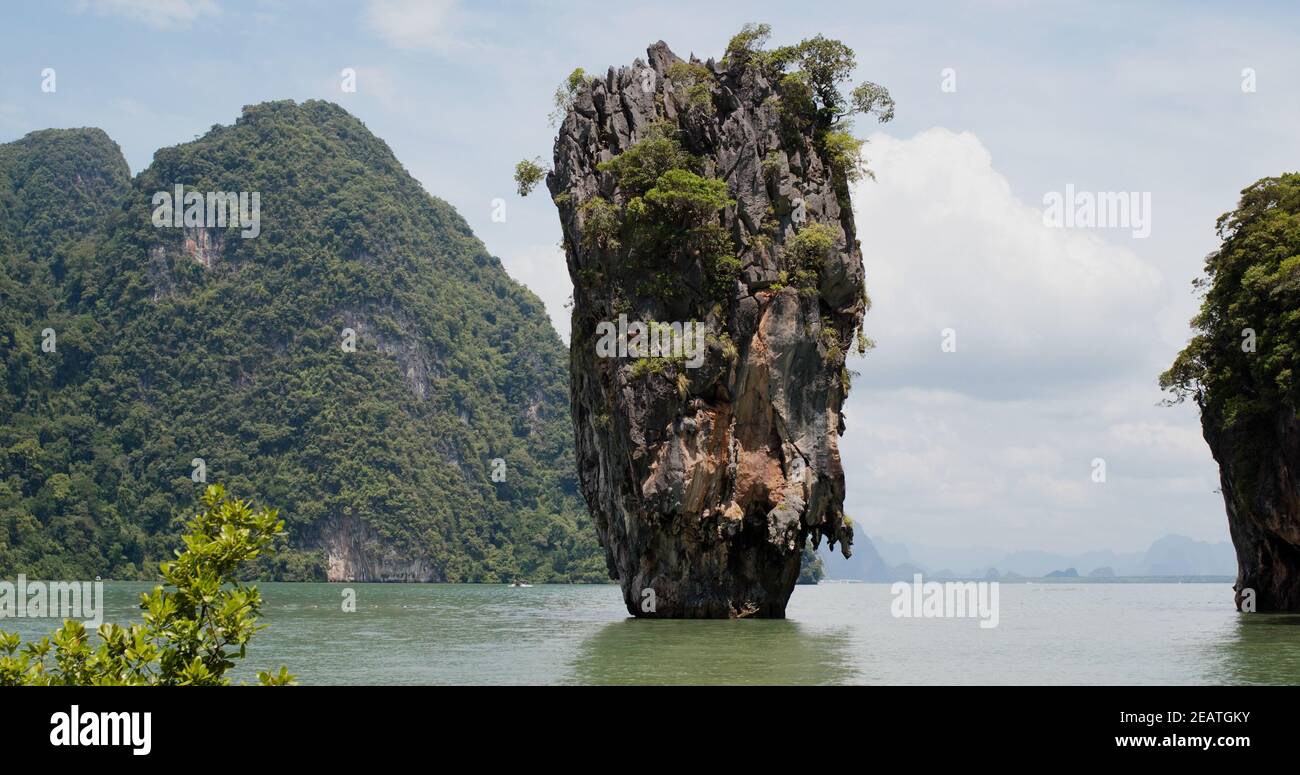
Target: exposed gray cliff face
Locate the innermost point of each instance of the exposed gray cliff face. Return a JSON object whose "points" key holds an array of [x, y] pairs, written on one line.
{"points": [[1259, 469], [704, 483], [355, 552]]}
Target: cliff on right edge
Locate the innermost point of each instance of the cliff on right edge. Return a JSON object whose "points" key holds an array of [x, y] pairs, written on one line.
{"points": [[1241, 369]]}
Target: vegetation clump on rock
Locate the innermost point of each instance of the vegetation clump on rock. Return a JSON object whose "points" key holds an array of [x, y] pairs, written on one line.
{"points": [[1241, 369]]}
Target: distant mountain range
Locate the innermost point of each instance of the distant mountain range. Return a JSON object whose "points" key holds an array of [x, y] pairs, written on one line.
{"points": [[879, 559]]}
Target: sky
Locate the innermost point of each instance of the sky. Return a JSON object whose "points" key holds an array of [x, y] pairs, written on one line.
{"points": [[1060, 333]]}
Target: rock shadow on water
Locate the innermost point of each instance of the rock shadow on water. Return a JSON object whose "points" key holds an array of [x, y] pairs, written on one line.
{"points": [[691, 651], [1262, 648]]}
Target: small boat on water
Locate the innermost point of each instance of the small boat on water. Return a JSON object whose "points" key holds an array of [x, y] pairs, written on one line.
{"points": [[520, 584]]}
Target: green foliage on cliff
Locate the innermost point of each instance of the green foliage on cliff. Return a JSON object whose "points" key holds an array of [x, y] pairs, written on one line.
{"points": [[528, 173], [192, 633], [747, 44], [696, 82], [600, 224], [669, 211], [566, 92], [806, 253], [811, 76], [844, 151], [1242, 365], [824, 65], [639, 168], [176, 344], [680, 198]]}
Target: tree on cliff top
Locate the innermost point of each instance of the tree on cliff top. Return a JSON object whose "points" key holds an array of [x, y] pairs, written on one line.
{"points": [[1243, 360], [824, 64], [811, 74]]}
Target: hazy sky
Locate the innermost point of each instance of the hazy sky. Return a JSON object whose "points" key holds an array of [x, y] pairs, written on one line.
{"points": [[1060, 332]]}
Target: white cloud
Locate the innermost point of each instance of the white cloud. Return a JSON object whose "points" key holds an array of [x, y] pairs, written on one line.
{"points": [[162, 14], [410, 24], [947, 244], [1060, 337]]}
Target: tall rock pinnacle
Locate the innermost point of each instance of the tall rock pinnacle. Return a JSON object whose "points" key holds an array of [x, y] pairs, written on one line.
{"points": [[710, 195]]}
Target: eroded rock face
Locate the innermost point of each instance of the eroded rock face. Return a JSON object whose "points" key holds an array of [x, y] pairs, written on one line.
{"points": [[354, 552], [1259, 469], [704, 483]]}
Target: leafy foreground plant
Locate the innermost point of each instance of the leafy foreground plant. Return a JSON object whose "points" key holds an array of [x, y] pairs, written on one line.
{"points": [[190, 636]]}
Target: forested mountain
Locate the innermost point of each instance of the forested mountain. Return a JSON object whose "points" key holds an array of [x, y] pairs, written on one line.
{"points": [[192, 348], [58, 189]]}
